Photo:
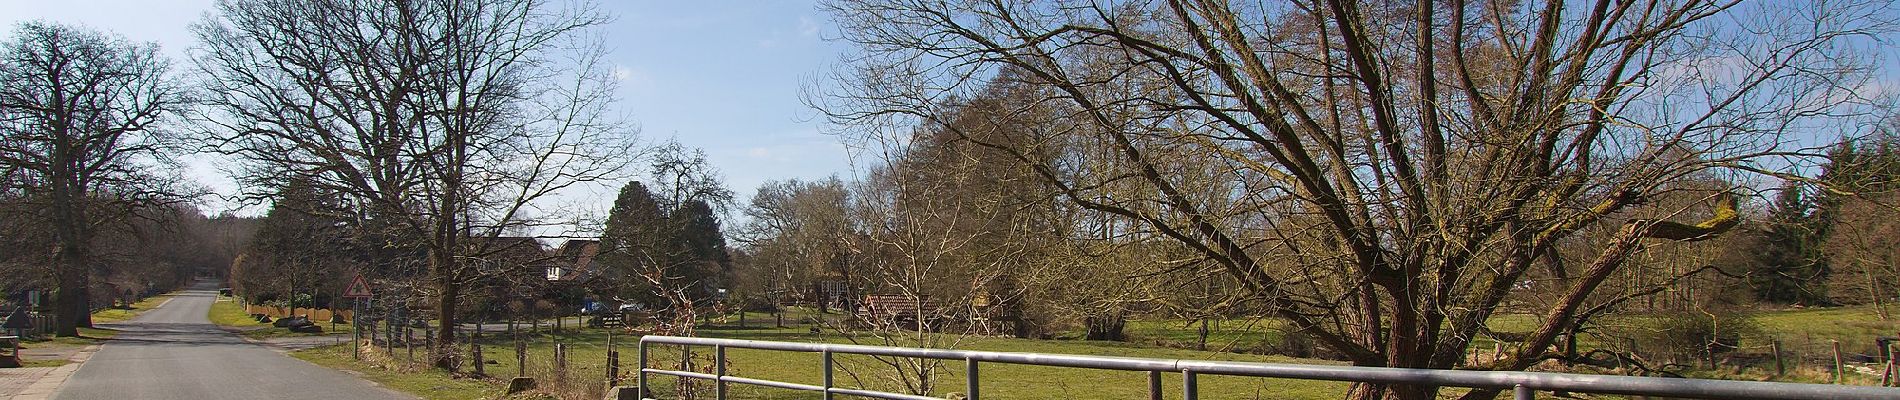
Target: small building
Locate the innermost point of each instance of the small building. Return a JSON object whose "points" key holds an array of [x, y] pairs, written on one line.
{"points": [[574, 261]]}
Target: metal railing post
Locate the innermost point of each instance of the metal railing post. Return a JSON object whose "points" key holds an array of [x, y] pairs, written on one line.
{"points": [[719, 370], [970, 382], [641, 378], [1190, 386], [1522, 393], [1154, 385], [827, 355]]}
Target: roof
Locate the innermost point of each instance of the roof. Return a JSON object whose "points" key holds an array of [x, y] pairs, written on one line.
{"points": [[576, 259]]}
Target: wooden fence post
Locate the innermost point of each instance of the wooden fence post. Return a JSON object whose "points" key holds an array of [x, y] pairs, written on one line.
{"points": [[560, 362], [613, 362], [1837, 361], [1887, 374], [1775, 345], [475, 350]]}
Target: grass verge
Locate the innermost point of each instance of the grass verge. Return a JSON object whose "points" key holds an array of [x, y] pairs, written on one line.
{"points": [[87, 337], [123, 314], [225, 312], [44, 363], [424, 383]]}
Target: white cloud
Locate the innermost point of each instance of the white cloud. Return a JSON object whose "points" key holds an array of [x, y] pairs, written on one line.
{"points": [[632, 78], [807, 27]]}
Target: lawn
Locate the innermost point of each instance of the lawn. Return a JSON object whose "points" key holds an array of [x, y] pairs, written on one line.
{"points": [[1236, 335], [1807, 331]]}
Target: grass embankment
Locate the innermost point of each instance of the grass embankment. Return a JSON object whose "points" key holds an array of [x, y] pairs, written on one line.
{"points": [[227, 313]]}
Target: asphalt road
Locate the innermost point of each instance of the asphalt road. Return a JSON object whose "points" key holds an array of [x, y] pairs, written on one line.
{"points": [[175, 353]]}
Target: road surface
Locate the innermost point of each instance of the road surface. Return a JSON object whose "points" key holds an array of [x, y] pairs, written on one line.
{"points": [[175, 353]]}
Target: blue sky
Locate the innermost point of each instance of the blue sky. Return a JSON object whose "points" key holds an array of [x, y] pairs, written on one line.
{"points": [[723, 76]]}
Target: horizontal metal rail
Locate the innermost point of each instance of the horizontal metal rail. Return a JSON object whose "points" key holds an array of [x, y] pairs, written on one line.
{"points": [[1522, 384]]}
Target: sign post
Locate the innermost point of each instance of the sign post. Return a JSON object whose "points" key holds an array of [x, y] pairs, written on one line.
{"points": [[358, 291]]}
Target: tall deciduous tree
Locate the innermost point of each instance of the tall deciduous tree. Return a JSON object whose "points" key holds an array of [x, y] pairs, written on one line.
{"points": [[446, 121], [799, 233], [79, 121], [1385, 173], [301, 247]]}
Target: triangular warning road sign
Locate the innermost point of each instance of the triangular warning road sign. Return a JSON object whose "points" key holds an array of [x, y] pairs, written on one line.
{"points": [[358, 288]]}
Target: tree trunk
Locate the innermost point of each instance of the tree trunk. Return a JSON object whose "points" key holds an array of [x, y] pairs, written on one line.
{"points": [[1873, 291], [1202, 336], [1106, 327], [74, 272], [818, 292], [72, 305], [448, 291]]}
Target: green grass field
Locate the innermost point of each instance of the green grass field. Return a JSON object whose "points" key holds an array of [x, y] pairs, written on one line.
{"points": [[588, 365], [1166, 339]]}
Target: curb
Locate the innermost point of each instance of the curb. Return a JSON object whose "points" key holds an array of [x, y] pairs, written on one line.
{"points": [[49, 384]]}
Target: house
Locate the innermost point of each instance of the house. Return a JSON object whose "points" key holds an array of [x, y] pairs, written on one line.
{"points": [[574, 261], [506, 252]]}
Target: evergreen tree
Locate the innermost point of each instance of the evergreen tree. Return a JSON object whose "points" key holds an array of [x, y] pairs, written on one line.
{"points": [[1850, 217], [703, 245], [1789, 267], [630, 245], [644, 244]]}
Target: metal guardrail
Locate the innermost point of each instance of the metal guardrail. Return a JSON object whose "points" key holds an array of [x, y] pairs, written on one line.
{"points": [[1523, 385]]}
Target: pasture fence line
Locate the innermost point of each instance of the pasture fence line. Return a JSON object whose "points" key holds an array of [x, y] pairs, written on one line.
{"points": [[1523, 385]]}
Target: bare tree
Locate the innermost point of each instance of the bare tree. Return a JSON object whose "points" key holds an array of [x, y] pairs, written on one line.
{"points": [[799, 233], [447, 121], [1864, 246], [1386, 173], [80, 113]]}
